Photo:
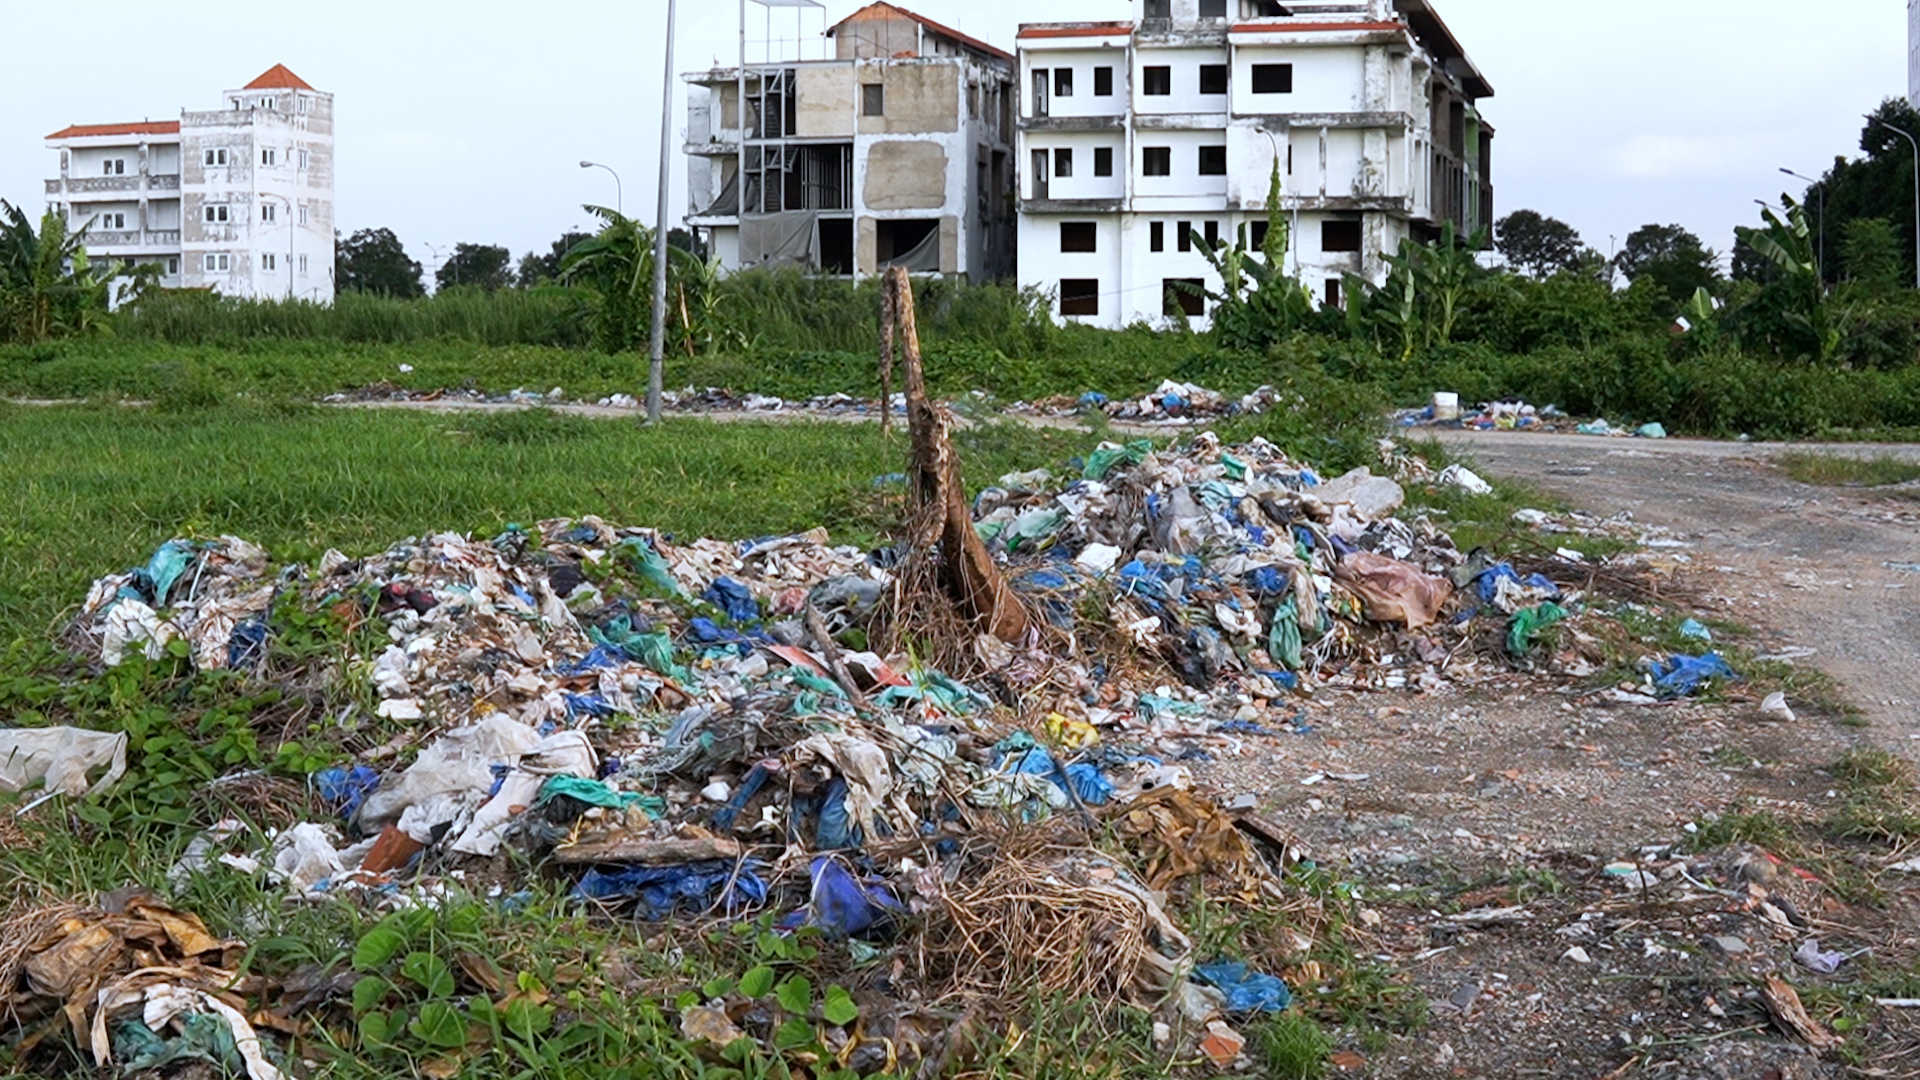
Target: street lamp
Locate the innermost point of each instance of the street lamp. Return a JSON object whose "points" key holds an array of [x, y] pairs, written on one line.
{"points": [[1820, 254], [657, 346], [619, 200], [439, 261], [1916, 191]]}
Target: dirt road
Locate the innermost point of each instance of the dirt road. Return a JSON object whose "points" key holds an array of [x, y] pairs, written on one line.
{"points": [[1830, 570]]}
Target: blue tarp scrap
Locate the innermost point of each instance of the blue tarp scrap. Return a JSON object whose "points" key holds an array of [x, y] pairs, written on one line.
{"points": [[1246, 991], [689, 887], [1682, 676]]}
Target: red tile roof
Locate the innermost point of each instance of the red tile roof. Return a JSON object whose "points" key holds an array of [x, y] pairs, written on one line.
{"points": [[875, 9], [277, 77], [1108, 29], [85, 131]]}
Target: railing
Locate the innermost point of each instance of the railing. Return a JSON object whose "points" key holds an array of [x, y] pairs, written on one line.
{"points": [[165, 182], [103, 183], [121, 238]]}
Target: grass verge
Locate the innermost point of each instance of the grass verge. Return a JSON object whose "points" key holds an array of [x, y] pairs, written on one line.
{"points": [[1834, 470]]}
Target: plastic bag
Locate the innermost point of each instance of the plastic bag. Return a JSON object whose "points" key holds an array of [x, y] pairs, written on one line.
{"points": [[1528, 622], [1246, 991], [1682, 676], [59, 759], [1393, 591]]}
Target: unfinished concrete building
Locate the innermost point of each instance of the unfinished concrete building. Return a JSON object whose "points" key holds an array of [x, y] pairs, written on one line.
{"points": [[1138, 136], [237, 199], [894, 150]]}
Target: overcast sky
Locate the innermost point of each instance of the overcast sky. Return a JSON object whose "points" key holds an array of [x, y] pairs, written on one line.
{"points": [[466, 121]]}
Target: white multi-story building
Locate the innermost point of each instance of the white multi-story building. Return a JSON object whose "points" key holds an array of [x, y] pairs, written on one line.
{"points": [[1913, 53], [1137, 136], [896, 150], [238, 200]]}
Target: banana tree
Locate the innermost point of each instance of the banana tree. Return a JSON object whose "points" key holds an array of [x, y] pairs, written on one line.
{"points": [[614, 267], [1258, 302], [48, 285], [1790, 315]]}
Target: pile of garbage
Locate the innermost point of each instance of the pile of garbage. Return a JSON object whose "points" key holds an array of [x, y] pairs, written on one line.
{"points": [[1171, 403], [711, 726], [1445, 411]]}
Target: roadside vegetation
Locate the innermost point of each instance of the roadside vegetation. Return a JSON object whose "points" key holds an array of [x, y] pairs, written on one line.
{"points": [[1834, 470]]}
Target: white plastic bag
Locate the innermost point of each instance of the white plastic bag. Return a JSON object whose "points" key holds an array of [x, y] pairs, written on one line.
{"points": [[59, 759]]}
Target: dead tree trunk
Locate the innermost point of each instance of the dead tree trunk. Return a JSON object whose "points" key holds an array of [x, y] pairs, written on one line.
{"points": [[942, 522]]}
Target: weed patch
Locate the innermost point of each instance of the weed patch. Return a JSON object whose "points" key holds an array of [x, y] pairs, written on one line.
{"points": [[1833, 470]]}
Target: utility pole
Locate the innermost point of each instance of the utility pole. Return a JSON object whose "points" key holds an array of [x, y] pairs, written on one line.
{"points": [[657, 346]]}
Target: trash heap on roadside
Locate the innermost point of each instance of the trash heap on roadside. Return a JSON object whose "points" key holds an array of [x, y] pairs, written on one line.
{"points": [[711, 726], [1172, 403], [1445, 412]]}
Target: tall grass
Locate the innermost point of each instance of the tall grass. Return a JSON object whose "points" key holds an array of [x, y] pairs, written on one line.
{"points": [[509, 317]]}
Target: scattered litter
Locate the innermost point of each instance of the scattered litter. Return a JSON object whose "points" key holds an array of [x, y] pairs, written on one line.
{"points": [[1811, 957], [1775, 708]]}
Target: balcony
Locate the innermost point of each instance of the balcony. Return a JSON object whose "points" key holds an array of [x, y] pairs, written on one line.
{"points": [[116, 241], [118, 185], [164, 182]]}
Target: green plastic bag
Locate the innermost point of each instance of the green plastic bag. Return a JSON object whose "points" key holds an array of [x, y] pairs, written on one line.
{"points": [[1102, 461], [651, 566], [1283, 641], [1530, 621], [595, 793]]}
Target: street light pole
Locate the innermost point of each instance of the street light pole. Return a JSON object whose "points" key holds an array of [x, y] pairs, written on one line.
{"points": [[1820, 256], [619, 197], [657, 346], [1916, 192]]}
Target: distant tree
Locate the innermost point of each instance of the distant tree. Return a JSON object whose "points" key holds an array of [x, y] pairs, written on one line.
{"points": [[1671, 259], [476, 266], [372, 261], [688, 242], [1538, 246], [1878, 185], [539, 269], [1871, 254]]}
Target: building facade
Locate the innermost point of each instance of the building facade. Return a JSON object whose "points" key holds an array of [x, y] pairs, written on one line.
{"points": [[238, 199], [1137, 137], [896, 150]]}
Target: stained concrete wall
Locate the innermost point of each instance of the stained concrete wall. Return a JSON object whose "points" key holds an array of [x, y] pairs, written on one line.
{"points": [[828, 99], [920, 98], [905, 175]]}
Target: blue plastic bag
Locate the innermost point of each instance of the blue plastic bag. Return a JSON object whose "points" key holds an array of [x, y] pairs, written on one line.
{"points": [[733, 598], [1682, 676], [846, 906], [1246, 991], [346, 789], [689, 887]]}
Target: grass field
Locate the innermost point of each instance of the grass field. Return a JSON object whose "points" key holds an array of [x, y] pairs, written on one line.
{"points": [[92, 489]]}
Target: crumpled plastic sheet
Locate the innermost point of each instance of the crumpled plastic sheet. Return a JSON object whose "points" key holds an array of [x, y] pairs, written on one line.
{"points": [[59, 759], [1393, 591], [1683, 676], [689, 887], [346, 788], [1246, 991]]}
